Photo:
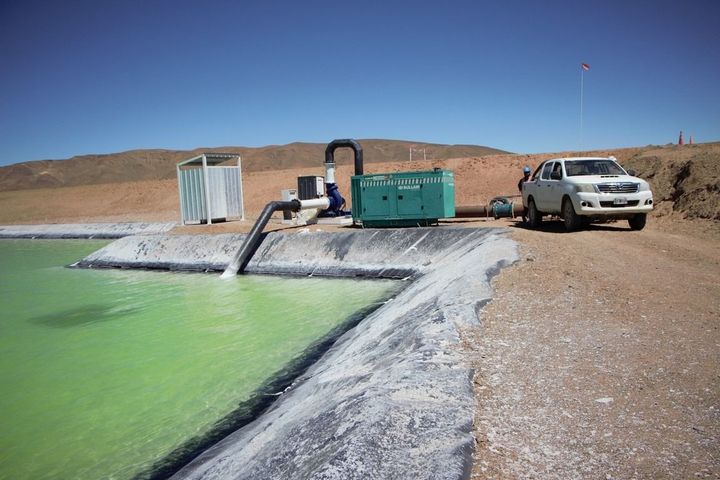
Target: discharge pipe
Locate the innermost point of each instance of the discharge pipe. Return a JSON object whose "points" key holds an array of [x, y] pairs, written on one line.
{"points": [[253, 239], [333, 201]]}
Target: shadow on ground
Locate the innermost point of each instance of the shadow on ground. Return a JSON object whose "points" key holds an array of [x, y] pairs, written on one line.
{"points": [[557, 226]]}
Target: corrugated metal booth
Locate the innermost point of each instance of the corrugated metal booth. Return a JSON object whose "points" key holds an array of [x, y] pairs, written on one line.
{"points": [[210, 191]]}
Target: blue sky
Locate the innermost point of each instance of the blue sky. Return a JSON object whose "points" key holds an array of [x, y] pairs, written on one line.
{"points": [[83, 77]]}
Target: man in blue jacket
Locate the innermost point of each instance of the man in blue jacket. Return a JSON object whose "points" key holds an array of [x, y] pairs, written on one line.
{"points": [[525, 178]]}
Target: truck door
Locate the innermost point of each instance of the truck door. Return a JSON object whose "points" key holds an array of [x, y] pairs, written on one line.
{"points": [[542, 192], [554, 190]]}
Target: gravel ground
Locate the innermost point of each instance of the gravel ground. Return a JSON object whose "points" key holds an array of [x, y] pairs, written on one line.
{"points": [[599, 356]]}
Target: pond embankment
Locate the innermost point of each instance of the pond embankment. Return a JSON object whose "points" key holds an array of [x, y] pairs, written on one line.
{"points": [[393, 397]]}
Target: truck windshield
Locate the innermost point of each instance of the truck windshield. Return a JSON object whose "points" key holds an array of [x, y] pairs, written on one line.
{"points": [[574, 168]]}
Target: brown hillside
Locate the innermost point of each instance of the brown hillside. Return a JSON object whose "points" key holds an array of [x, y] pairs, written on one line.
{"points": [[685, 177], [140, 165], [685, 181]]}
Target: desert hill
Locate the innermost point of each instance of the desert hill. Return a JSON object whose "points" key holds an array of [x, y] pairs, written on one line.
{"points": [[685, 180], [139, 165]]}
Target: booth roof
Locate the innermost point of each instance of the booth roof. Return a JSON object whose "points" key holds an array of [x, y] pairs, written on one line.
{"points": [[212, 158]]}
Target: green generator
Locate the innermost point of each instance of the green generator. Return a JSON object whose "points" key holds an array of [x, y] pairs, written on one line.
{"points": [[403, 199]]}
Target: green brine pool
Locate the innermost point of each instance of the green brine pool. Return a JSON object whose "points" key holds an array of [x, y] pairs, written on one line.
{"points": [[110, 373]]}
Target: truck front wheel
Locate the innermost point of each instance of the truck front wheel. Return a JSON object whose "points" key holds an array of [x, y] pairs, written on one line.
{"points": [[572, 220], [638, 221]]}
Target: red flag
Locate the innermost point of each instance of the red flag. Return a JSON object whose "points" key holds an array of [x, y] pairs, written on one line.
{"points": [[585, 66]]}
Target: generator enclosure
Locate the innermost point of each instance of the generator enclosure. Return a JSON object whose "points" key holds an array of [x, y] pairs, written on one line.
{"points": [[403, 199], [310, 187]]}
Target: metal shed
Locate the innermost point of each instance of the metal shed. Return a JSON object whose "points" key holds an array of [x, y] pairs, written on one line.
{"points": [[210, 191]]}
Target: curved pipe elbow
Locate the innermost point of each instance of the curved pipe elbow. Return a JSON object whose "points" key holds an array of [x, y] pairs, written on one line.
{"points": [[349, 143]]}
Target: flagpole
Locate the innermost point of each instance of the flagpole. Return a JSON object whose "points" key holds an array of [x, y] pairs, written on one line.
{"points": [[582, 72]]}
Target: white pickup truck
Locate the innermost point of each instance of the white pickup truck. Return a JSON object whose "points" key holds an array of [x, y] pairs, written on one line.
{"points": [[586, 189]]}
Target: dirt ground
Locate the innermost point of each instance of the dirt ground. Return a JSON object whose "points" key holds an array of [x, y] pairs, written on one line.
{"points": [[157, 200], [599, 355]]}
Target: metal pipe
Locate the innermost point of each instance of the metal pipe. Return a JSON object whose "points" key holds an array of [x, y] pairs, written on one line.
{"points": [[481, 211], [252, 241], [347, 142], [471, 211]]}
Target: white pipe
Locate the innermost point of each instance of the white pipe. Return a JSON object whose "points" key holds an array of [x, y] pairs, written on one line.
{"points": [[321, 203], [330, 172]]}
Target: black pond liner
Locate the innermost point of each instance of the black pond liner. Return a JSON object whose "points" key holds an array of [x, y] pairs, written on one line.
{"points": [[258, 402]]}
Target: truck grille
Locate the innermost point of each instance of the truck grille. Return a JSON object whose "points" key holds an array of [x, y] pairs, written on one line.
{"points": [[618, 187]]}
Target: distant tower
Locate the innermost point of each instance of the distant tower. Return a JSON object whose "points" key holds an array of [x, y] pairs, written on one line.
{"points": [[691, 140], [681, 140]]}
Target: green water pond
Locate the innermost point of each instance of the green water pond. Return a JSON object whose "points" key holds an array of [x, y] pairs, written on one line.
{"points": [[106, 372]]}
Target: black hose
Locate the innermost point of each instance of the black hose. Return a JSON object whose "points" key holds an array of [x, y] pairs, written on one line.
{"points": [[330, 152], [252, 241]]}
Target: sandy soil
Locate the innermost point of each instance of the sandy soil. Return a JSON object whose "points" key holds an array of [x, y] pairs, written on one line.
{"points": [[478, 180], [599, 356]]}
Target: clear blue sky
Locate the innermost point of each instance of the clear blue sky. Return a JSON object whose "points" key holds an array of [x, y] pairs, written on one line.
{"points": [[95, 76]]}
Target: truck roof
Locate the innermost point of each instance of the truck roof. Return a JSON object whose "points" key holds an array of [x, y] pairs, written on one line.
{"points": [[581, 158]]}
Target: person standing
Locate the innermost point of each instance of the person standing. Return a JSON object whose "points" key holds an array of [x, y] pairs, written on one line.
{"points": [[525, 178]]}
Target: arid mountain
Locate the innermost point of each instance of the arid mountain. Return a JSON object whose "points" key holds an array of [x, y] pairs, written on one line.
{"points": [[138, 165], [685, 181]]}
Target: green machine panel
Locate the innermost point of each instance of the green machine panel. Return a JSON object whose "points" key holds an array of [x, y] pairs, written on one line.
{"points": [[403, 198]]}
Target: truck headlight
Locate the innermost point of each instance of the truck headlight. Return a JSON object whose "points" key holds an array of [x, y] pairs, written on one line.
{"points": [[584, 187], [644, 187]]}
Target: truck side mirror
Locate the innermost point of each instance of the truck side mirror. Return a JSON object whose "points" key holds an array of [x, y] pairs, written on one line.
{"points": [[631, 173]]}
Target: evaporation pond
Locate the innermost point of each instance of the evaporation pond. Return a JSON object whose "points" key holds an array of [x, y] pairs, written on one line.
{"points": [[105, 372]]}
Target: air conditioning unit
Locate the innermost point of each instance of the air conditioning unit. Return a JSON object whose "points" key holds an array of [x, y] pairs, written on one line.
{"points": [[310, 187]]}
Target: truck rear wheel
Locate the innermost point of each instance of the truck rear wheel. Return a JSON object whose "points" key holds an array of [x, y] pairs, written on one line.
{"points": [[534, 217]]}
